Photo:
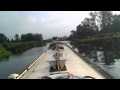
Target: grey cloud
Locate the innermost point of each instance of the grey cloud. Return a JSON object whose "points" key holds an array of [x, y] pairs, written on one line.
{"points": [[53, 24]]}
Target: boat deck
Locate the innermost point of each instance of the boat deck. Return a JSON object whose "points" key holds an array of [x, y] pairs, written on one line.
{"points": [[74, 64]]}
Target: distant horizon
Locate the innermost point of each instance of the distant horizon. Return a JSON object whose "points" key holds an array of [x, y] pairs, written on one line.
{"points": [[47, 23]]}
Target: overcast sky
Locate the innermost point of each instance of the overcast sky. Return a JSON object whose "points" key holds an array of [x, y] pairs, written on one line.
{"points": [[48, 23]]}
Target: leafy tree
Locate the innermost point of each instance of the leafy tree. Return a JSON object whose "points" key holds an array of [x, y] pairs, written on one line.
{"points": [[54, 38], [31, 37], [17, 38], [23, 38], [93, 21], [12, 40], [38, 37], [115, 27], [8, 40], [3, 38], [101, 24], [105, 19]]}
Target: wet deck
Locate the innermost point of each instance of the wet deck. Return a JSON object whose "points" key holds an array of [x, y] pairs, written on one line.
{"points": [[74, 65]]}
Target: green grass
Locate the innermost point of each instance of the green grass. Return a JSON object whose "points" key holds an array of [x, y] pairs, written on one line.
{"points": [[100, 40], [17, 48], [4, 52]]}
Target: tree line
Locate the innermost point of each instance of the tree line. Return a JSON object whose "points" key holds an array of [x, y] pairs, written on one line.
{"points": [[20, 43], [22, 38], [99, 24]]}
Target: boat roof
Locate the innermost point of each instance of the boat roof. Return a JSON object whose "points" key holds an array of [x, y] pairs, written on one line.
{"points": [[74, 65]]}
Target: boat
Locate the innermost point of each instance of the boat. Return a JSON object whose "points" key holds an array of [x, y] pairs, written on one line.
{"points": [[60, 61]]}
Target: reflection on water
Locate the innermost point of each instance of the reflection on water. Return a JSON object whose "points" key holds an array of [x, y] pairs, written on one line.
{"points": [[106, 57]]}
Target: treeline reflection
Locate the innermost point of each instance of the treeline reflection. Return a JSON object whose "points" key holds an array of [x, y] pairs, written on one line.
{"points": [[107, 54]]}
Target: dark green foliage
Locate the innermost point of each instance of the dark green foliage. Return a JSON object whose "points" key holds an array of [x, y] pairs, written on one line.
{"points": [[8, 40], [101, 27], [31, 37], [102, 39], [3, 38], [55, 38], [4, 52], [17, 39], [21, 47]]}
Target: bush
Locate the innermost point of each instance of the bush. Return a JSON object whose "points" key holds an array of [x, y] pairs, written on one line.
{"points": [[4, 52], [21, 47]]}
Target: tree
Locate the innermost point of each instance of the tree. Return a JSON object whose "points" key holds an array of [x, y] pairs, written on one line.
{"points": [[100, 23], [115, 27], [17, 37], [27, 37], [38, 37], [105, 20], [8, 40], [54, 38], [31, 37], [86, 28], [93, 21], [3, 38], [73, 35], [72, 32], [12, 40], [23, 38]]}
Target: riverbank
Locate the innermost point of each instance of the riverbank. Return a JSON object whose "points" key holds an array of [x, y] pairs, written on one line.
{"points": [[17, 63], [4, 52], [16, 48], [21, 47], [110, 43]]}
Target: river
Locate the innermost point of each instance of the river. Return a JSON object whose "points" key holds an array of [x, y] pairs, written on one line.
{"points": [[106, 57], [18, 63]]}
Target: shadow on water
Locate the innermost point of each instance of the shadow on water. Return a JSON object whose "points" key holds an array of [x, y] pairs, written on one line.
{"points": [[105, 56]]}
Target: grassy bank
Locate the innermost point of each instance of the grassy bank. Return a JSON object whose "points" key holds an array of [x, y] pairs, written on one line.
{"points": [[100, 41], [4, 52], [21, 47]]}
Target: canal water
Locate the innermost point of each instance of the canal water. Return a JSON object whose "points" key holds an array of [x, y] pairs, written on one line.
{"points": [[106, 57], [18, 63]]}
